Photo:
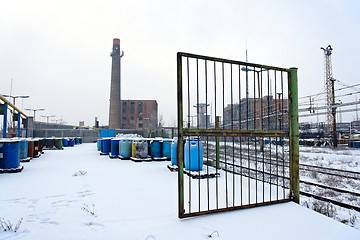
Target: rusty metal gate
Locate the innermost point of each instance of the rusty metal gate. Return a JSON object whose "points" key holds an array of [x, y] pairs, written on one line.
{"points": [[237, 135]]}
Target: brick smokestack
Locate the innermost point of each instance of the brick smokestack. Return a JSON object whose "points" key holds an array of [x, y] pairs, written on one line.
{"points": [[115, 97]]}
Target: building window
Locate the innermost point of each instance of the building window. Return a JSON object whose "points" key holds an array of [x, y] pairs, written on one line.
{"points": [[140, 107], [132, 107], [124, 107], [140, 118], [124, 118], [140, 125], [132, 118]]}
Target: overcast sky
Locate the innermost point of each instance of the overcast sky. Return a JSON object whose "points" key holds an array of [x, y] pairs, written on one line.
{"points": [[58, 52]]}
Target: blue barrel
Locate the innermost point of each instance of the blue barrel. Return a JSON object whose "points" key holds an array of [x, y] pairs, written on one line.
{"points": [[76, 140], [9, 154], [80, 140], [193, 155], [71, 142], [50, 143], [115, 147], [356, 144], [125, 148], [98, 144], [166, 148], [23, 149], [106, 145], [65, 142], [155, 148], [173, 152]]}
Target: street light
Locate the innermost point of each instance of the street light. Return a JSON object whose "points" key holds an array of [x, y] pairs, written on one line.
{"points": [[35, 110], [246, 69], [47, 117], [14, 97]]}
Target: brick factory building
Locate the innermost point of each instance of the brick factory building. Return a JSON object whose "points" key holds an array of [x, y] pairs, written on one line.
{"points": [[137, 114]]}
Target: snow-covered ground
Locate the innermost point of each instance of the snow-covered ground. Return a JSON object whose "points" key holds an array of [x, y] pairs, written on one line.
{"points": [[77, 194]]}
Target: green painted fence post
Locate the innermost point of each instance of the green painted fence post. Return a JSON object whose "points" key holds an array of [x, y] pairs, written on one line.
{"points": [[180, 143], [294, 136]]}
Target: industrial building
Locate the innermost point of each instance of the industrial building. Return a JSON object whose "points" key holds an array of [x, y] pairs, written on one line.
{"points": [[257, 113], [139, 114]]}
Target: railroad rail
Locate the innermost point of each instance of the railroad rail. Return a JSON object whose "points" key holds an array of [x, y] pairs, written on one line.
{"points": [[265, 175]]}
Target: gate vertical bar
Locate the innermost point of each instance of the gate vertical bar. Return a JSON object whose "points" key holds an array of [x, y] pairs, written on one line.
{"points": [[217, 126], [180, 143], [5, 119], [294, 136]]}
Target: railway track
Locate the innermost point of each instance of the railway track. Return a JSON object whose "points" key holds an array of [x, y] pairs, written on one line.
{"points": [[263, 168], [274, 161]]}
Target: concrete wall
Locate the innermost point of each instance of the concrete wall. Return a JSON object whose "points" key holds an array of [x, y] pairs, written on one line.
{"points": [[44, 130]]}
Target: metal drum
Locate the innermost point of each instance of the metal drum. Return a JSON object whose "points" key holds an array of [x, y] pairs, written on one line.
{"points": [[173, 152], [36, 148], [114, 147], [41, 145], [106, 146], [155, 148], [77, 141], [50, 143], [125, 148], [80, 140], [98, 144], [65, 142], [166, 148], [193, 155], [30, 147], [23, 149], [139, 148], [71, 142], [9, 154], [59, 143]]}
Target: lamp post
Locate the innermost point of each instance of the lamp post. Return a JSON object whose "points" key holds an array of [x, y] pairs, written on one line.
{"points": [[260, 97], [35, 110], [47, 117], [14, 97]]}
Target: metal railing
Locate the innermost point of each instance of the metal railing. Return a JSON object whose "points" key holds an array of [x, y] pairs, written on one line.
{"points": [[244, 118], [16, 114]]}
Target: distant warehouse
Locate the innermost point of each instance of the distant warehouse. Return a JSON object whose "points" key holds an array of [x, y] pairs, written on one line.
{"points": [[136, 114]]}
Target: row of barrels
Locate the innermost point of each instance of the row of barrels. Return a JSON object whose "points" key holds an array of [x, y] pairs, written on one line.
{"points": [[16, 150], [154, 149], [354, 144]]}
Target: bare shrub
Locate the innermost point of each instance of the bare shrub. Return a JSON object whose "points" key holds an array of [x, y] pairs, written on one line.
{"points": [[6, 225], [314, 174], [80, 173], [332, 181], [325, 208], [213, 233], [89, 209]]}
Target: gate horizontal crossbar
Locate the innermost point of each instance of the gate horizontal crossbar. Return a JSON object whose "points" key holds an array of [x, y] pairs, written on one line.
{"points": [[235, 133], [246, 64], [194, 214]]}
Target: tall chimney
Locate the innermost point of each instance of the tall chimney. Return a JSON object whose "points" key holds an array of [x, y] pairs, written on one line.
{"points": [[115, 113]]}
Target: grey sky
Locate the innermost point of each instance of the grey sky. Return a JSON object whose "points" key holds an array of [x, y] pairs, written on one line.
{"points": [[58, 51]]}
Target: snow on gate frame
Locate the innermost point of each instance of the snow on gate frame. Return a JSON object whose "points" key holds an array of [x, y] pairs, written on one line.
{"points": [[253, 151]]}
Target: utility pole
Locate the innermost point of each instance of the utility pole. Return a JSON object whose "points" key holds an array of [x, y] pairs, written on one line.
{"points": [[333, 108]]}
